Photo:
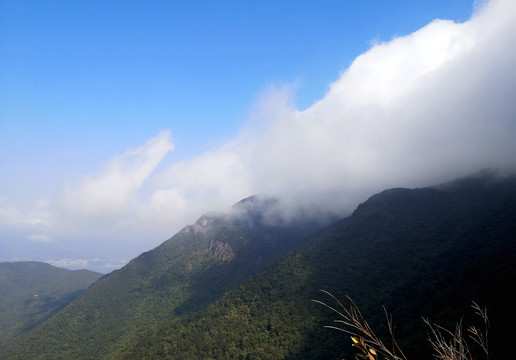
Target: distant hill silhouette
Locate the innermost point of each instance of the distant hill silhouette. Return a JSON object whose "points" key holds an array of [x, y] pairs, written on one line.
{"points": [[30, 292]]}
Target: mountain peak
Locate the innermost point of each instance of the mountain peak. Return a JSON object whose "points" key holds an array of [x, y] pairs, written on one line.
{"points": [[256, 202], [202, 224]]}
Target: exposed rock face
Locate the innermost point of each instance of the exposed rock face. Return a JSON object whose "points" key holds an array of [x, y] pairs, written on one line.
{"points": [[222, 251], [200, 226]]}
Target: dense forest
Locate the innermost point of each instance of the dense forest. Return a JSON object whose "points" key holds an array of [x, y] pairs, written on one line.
{"points": [[183, 275], [239, 287], [422, 252], [31, 292]]}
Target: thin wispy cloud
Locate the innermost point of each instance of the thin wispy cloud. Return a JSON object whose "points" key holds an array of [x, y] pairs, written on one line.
{"points": [[35, 217], [110, 192], [39, 238]]}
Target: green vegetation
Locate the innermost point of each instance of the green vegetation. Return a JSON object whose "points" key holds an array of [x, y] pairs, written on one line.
{"points": [[422, 252], [30, 292], [182, 276], [228, 287]]}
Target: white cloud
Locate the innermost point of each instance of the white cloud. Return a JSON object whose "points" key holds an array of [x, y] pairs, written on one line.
{"points": [[109, 193], [419, 109], [414, 111], [36, 216], [39, 238]]}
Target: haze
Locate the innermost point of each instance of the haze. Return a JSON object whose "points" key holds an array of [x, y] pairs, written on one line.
{"points": [[412, 110]]}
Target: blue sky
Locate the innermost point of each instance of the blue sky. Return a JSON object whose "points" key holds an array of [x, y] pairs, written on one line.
{"points": [[82, 83], [92, 78]]}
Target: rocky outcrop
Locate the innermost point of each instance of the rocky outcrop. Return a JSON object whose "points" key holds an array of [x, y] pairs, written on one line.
{"points": [[222, 251], [201, 226]]}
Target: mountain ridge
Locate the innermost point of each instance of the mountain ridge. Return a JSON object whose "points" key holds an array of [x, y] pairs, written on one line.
{"points": [[420, 252], [214, 291], [182, 275]]}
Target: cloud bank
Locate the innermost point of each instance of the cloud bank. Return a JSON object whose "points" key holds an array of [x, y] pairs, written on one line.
{"points": [[414, 111]]}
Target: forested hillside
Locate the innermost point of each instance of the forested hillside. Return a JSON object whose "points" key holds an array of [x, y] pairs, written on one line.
{"points": [[422, 252], [183, 275], [30, 292], [240, 287]]}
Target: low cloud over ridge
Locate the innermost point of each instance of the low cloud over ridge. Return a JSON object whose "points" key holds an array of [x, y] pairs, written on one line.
{"points": [[420, 109]]}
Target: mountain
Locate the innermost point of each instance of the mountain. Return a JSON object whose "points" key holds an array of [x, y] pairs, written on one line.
{"points": [[181, 276], [239, 285], [30, 292], [420, 252]]}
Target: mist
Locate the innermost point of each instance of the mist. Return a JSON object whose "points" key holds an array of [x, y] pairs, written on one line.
{"points": [[414, 111]]}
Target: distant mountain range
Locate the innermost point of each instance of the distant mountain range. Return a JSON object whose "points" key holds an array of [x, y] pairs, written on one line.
{"points": [[239, 285], [30, 292], [63, 260]]}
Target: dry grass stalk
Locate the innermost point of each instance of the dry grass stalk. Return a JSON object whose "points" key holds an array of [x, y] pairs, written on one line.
{"points": [[447, 345], [453, 345], [362, 335]]}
